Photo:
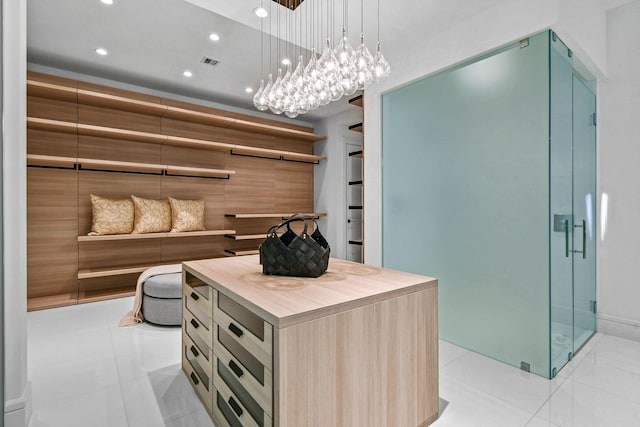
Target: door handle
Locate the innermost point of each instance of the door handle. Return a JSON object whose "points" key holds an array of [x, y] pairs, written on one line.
{"points": [[566, 237], [584, 239]]}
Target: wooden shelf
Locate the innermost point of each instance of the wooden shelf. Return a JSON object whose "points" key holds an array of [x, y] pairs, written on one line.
{"points": [[356, 128], [112, 165], [198, 172], [357, 101], [48, 90], [92, 273], [115, 133], [51, 161], [257, 152], [358, 154], [247, 236], [117, 166], [155, 235], [199, 143], [231, 252], [153, 138], [100, 99], [52, 125], [272, 215], [306, 158]]}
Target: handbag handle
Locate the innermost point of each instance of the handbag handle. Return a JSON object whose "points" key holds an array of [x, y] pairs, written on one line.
{"points": [[295, 218]]}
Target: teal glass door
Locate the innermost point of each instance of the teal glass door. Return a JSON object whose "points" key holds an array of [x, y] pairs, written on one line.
{"points": [[584, 207]]}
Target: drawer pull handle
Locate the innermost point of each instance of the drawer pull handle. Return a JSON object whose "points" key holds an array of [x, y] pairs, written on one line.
{"points": [[236, 330], [234, 405], [195, 324], [194, 378], [195, 296], [235, 368], [195, 351]]}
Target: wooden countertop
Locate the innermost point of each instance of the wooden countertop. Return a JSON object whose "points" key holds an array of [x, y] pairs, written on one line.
{"points": [[285, 301]]}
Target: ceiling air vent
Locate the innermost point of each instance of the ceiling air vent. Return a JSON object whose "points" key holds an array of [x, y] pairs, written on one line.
{"points": [[209, 61]]}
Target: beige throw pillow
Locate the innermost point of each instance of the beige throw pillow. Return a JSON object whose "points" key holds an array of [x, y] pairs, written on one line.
{"points": [[186, 215], [111, 216], [151, 215]]}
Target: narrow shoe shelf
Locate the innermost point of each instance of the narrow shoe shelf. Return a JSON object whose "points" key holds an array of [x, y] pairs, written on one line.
{"points": [[51, 161], [357, 101], [356, 128]]}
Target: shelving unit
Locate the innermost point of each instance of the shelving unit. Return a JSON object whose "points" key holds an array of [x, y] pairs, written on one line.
{"points": [[79, 133], [147, 137], [216, 118], [355, 191]]}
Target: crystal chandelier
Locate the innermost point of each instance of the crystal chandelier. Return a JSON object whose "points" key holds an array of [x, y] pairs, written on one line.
{"points": [[338, 71]]}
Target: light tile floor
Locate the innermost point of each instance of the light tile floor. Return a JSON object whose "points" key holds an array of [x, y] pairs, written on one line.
{"points": [[86, 371]]}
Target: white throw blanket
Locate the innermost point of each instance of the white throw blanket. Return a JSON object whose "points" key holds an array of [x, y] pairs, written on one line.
{"points": [[135, 316]]}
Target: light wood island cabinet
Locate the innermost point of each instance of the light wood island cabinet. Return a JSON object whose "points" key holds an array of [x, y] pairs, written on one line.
{"points": [[357, 346]]}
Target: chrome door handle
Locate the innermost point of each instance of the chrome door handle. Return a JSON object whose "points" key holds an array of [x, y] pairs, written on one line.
{"points": [[584, 239], [566, 237]]}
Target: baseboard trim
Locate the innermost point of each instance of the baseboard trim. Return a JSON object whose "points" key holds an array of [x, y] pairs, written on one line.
{"points": [[619, 327], [17, 412]]}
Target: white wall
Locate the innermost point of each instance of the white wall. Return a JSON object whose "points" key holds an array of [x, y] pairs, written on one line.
{"points": [[498, 23], [17, 394], [619, 174], [330, 176]]}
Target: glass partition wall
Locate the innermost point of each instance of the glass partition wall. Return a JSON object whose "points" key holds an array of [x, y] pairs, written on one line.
{"points": [[489, 185]]}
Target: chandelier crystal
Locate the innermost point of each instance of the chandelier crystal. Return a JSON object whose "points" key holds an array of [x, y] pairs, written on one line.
{"points": [[327, 77]]}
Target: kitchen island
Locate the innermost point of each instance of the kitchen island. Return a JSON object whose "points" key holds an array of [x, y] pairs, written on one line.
{"points": [[357, 346]]}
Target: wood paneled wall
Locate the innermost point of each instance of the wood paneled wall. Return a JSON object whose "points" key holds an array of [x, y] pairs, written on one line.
{"points": [[59, 207]]}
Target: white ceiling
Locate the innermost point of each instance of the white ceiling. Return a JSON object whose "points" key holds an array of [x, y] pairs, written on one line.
{"points": [[151, 42]]}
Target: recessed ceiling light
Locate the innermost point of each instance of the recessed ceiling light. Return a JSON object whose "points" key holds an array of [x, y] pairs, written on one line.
{"points": [[109, 2], [101, 51], [248, 89], [187, 73], [260, 12], [214, 37], [286, 61]]}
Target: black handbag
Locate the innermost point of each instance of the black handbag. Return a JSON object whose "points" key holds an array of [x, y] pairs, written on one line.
{"points": [[305, 255]]}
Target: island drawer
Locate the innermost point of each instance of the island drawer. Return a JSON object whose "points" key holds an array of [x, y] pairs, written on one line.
{"points": [[230, 407], [202, 354], [256, 363], [196, 329], [196, 307], [245, 327], [242, 382], [198, 291]]}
